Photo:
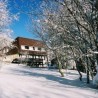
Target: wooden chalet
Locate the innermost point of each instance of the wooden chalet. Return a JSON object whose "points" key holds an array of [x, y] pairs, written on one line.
{"points": [[29, 48]]}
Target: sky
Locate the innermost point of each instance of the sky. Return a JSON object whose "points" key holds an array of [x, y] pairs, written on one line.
{"points": [[20, 27]]}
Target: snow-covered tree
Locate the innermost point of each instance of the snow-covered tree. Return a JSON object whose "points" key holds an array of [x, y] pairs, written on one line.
{"points": [[5, 21], [68, 27]]}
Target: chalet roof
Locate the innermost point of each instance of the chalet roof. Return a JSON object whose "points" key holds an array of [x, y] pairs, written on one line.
{"points": [[29, 42]]}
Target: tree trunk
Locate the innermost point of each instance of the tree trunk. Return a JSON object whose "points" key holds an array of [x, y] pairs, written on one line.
{"points": [[59, 66], [88, 80], [62, 74], [60, 69]]}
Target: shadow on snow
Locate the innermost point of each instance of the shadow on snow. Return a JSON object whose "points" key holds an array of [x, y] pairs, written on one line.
{"points": [[61, 80]]}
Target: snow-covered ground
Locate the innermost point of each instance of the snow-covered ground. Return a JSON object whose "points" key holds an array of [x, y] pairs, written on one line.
{"points": [[18, 81]]}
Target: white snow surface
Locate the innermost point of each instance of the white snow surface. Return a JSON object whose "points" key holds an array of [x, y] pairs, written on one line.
{"points": [[20, 81]]}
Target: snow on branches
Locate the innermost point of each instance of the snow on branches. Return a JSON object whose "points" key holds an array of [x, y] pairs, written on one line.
{"points": [[5, 21]]}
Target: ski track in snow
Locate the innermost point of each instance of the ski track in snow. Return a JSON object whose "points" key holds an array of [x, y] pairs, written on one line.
{"points": [[19, 81]]}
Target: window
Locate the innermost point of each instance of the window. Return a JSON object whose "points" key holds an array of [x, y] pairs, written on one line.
{"points": [[26, 47], [39, 48], [33, 48]]}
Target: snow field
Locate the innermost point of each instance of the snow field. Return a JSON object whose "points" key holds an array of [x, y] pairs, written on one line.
{"points": [[19, 81]]}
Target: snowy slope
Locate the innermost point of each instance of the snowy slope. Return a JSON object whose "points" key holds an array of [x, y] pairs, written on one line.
{"points": [[19, 81]]}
